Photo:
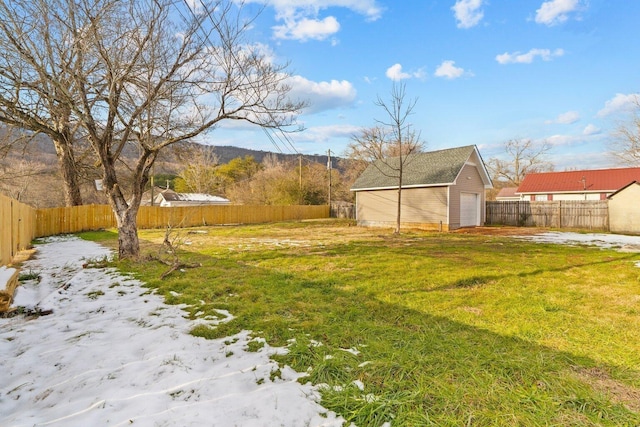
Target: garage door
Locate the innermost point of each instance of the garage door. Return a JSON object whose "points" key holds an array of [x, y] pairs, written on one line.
{"points": [[468, 210]]}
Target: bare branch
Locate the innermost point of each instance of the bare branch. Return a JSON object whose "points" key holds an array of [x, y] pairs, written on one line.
{"points": [[389, 146], [625, 142], [522, 156]]}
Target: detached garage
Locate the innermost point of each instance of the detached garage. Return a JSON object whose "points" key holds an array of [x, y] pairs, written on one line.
{"points": [[441, 190]]}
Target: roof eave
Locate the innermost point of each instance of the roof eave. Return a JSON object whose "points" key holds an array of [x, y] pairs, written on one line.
{"points": [[404, 187], [564, 192]]}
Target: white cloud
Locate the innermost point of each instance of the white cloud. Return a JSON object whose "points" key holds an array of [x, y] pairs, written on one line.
{"points": [[468, 13], [527, 58], [555, 11], [395, 73], [620, 103], [322, 96], [323, 134], [301, 20], [566, 118], [558, 140], [305, 29], [368, 8], [591, 130], [448, 70]]}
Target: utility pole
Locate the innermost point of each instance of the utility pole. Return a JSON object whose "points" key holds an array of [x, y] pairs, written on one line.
{"points": [[300, 167], [329, 168]]}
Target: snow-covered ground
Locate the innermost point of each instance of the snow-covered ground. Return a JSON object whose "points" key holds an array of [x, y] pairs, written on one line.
{"points": [[112, 354], [602, 240], [619, 242]]}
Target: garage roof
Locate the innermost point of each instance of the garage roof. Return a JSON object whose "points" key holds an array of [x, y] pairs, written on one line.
{"points": [[434, 168]]}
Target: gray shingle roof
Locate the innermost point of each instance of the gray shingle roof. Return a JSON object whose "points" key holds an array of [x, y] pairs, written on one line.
{"points": [[433, 168]]}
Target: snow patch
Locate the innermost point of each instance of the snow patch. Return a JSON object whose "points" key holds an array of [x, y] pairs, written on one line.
{"points": [[111, 353]]}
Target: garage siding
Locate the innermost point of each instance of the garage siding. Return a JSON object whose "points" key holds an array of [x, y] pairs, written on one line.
{"points": [[421, 207], [468, 181]]}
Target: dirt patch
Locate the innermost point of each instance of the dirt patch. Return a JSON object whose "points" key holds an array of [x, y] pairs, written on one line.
{"points": [[600, 380], [27, 312]]}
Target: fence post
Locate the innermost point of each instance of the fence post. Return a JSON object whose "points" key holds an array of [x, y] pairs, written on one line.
{"points": [[560, 212]]}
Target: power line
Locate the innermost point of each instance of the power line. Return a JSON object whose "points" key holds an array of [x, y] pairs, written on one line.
{"points": [[280, 135]]}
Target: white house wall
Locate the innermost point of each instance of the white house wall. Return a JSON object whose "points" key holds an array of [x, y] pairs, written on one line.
{"points": [[561, 196], [624, 211]]}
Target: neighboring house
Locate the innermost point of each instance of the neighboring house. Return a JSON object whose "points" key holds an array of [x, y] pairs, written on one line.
{"points": [[441, 190], [507, 194], [169, 198], [594, 184], [623, 209]]}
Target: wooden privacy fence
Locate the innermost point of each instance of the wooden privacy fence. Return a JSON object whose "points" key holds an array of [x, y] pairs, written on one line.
{"points": [[20, 223], [589, 214], [94, 217], [17, 228]]}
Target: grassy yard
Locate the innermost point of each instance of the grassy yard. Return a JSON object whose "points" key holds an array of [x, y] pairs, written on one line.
{"points": [[425, 328]]}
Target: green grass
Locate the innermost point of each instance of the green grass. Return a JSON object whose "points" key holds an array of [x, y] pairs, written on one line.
{"points": [[426, 328]]}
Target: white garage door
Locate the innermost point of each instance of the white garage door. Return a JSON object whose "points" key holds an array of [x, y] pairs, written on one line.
{"points": [[468, 209]]}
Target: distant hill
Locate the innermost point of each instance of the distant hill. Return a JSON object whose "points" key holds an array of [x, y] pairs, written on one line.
{"points": [[228, 153], [41, 149], [29, 170]]}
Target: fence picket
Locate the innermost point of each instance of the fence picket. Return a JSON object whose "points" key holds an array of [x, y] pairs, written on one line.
{"points": [[17, 227]]}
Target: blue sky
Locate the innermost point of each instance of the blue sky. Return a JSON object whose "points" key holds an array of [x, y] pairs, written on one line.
{"points": [[482, 71]]}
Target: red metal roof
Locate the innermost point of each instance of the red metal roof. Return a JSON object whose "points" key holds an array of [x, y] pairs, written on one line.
{"points": [[598, 180], [507, 192]]}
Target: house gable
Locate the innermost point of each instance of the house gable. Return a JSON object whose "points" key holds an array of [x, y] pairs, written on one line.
{"points": [[623, 209]]}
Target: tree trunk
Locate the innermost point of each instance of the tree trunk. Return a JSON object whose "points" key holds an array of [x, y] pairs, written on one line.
{"points": [[125, 209], [68, 170], [398, 213], [128, 242], [125, 213], [397, 230]]}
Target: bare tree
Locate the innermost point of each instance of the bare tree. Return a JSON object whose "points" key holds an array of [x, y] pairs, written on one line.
{"points": [[17, 170], [625, 144], [389, 145], [38, 57], [18, 178], [522, 156], [199, 169], [147, 74]]}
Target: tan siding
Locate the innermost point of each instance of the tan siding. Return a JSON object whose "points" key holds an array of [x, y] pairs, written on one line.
{"points": [[469, 181], [425, 205], [420, 206], [377, 206], [623, 211]]}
